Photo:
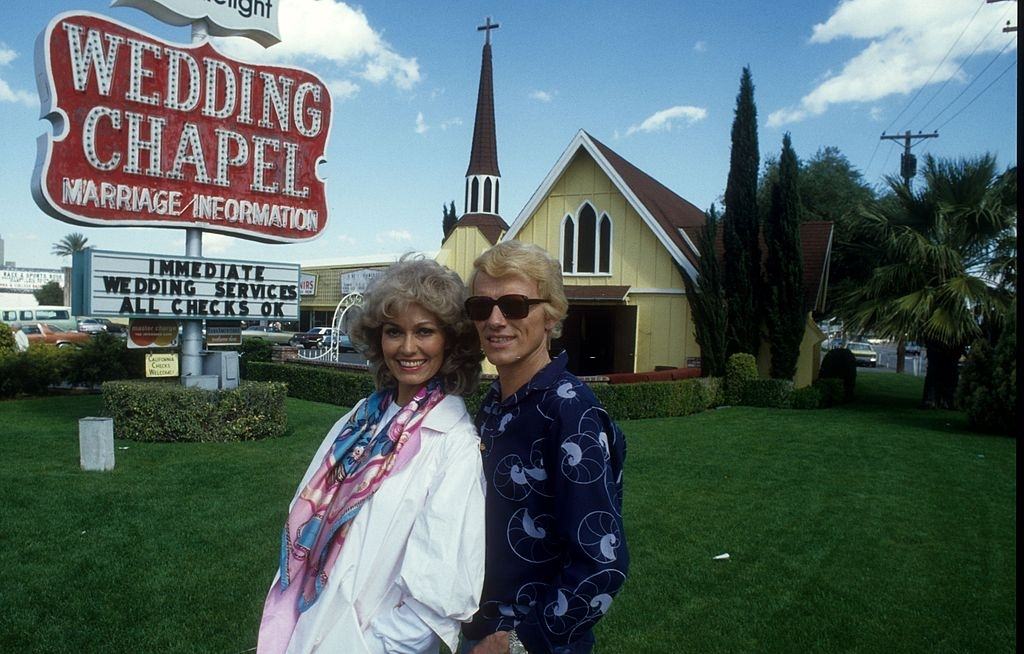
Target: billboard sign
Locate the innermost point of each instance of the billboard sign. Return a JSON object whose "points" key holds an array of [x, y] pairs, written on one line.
{"points": [[144, 333], [159, 286], [223, 334], [357, 281], [148, 133], [256, 19], [307, 284]]}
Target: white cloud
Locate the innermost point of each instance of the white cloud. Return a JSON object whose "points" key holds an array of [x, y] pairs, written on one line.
{"points": [[700, 46], [541, 96], [8, 94], [6, 54], [214, 243], [451, 122], [663, 120], [421, 124], [332, 32], [907, 40], [876, 113], [393, 235], [342, 89]]}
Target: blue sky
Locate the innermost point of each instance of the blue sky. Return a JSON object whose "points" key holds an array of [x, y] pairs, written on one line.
{"points": [[656, 81]]}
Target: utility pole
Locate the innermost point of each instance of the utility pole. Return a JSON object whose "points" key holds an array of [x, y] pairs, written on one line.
{"points": [[1008, 28], [908, 162], [908, 168]]}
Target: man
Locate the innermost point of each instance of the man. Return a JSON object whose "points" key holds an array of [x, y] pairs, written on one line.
{"points": [[20, 338], [556, 552]]}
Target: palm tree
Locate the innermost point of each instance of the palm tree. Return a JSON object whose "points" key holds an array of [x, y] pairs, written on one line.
{"points": [[944, 266], [74, 242]]}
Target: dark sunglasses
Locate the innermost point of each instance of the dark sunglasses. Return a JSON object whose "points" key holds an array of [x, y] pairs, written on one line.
{"points": [[512, 307]]}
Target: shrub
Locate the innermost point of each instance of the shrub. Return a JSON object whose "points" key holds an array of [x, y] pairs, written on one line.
{"points": [[7, 343], [739, 369], [656, 399], [33, 371], [253, 350], [316, 383], [769, 393], [832, 391], [104, 358], [988, 384], [842, 365], [163, 411], [808, 397]]}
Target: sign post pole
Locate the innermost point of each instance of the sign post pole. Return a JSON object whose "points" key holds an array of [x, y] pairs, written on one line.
{"points": [[192, 330]]}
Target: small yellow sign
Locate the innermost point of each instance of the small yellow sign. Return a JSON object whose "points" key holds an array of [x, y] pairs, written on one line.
{"points": [[161, 364]]}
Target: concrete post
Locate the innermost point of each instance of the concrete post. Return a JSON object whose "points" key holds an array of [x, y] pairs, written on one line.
{"points": [[96, 443]]}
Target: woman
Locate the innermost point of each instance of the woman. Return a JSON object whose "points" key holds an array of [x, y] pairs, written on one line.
{"points": [[383, 548]]}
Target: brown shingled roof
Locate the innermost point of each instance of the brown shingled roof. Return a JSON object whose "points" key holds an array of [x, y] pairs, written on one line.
{"points": [[815, 246], [490, 225], [671, 211], [483, 159]]}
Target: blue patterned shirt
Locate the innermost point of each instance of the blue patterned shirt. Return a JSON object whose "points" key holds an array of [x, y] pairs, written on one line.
{"points": [[556, 549]]}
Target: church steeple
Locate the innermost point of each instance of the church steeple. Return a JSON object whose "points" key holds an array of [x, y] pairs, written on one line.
{"points": [[483, 180]]}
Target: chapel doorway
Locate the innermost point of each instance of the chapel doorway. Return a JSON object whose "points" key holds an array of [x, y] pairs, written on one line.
{"points": [[599, 339]]}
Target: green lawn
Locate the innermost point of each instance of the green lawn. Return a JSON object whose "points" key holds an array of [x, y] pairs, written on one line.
{"points": [[875, 527]]}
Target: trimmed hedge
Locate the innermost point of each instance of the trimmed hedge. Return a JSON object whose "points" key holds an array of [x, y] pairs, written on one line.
{"points": [[739, 369], [623, 401], [162, 411], [833, 391], [768, 393], [658, 399], [315, 383], [808, 397]]}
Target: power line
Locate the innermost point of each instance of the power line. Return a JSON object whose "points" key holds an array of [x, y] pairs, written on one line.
{"points": [[962, 62], [1005, 70], [970, 84]]}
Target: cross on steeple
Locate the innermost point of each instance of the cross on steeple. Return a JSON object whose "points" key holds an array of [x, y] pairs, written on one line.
{"points": [[486, 29]]}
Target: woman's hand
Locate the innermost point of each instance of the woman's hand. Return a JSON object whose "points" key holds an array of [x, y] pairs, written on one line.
{"points": [[496, 643]]}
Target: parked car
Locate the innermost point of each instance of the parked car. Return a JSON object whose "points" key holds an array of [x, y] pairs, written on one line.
{"points": [[47, 333], [912, 349], [268, 333], [99, 325], [344, 342], [311, 338], [864, 353]]}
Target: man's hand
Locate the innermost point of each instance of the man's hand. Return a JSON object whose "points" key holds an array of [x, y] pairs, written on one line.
{"points": [[496, 643]]}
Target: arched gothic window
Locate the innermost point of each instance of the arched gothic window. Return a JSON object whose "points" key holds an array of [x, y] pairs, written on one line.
{"points": [[487, 196], [586, 242], [474, 195]]}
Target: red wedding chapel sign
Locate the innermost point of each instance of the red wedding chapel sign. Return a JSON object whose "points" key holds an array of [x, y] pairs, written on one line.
{"points": [[154, 134]]}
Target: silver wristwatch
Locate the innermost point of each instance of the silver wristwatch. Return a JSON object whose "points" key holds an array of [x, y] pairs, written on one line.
{"points": [[515, 646]]}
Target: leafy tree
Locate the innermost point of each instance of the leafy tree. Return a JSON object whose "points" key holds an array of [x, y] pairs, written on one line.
{"points": [[51, 293], [707, 301], [943, 265], [74, 242], [740, 227], [831, 189], [449, 219], [784, 312]]}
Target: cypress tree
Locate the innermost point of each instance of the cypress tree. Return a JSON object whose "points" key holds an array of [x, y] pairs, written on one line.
{"points": [[784, 271], [448, 220], [742, 270], [707, 301]]}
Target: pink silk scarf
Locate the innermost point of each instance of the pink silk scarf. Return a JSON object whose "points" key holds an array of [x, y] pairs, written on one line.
{"points": [[352, 470]]}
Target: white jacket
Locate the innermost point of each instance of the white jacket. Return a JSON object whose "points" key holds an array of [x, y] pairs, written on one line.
{"points": [[412, 566]]}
